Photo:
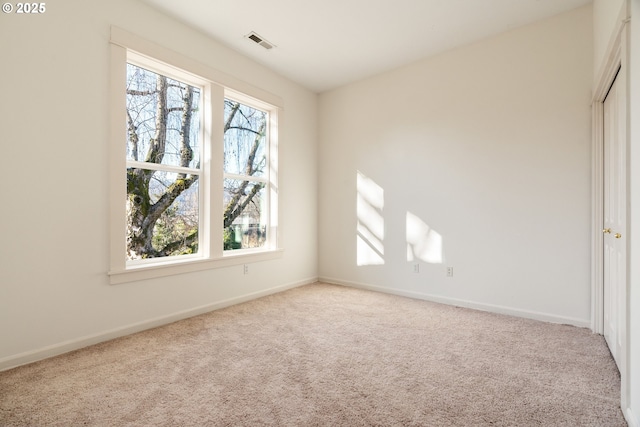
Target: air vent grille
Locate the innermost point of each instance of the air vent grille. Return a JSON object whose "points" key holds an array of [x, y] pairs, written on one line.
{"points": [[259, 40]]}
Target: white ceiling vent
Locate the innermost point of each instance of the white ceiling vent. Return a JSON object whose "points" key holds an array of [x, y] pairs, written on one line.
{"points": [[261, 41]]}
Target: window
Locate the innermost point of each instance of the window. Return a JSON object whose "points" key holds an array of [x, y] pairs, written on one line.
{"points": [[246, 200], [163, 165], [196, 186]]}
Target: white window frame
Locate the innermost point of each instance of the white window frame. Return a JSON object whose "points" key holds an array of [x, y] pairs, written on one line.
{"points": [[215, 86]]}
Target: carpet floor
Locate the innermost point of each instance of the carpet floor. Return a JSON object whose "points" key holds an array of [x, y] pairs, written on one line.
{"points": [[326, 355]]}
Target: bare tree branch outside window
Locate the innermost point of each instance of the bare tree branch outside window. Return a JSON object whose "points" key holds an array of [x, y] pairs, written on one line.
{"points": [[245, 163], [163, 171]]}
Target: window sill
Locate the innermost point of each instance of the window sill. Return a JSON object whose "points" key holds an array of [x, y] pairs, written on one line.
{"points": [[144, 272]]}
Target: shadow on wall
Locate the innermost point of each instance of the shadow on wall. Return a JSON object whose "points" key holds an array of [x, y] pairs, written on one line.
{"points": [[423, 243]]}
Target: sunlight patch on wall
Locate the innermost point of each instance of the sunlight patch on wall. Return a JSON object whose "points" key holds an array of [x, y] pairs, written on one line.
{"points": [[423, 242], [370, 228]]}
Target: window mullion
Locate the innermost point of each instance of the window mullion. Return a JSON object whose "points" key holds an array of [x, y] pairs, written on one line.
{"points": [[162, 167], [246, 177], [215, 161]]}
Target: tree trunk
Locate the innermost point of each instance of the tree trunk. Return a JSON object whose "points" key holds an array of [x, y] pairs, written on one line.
{"points": [[139, 206]]}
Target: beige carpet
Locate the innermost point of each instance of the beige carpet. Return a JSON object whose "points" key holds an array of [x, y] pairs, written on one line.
{"points": [[324, 355]]}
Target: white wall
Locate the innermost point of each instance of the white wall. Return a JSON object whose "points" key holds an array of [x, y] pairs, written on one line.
{"points": [[489, 146], [605, 16], [54, 80]]}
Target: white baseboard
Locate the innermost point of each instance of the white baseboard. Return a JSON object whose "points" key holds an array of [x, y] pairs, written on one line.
{"points": [[631, 418], [75, 344], [545, 317]]}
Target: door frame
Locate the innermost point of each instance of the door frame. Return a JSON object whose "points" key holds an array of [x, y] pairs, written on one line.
{"points": [[615, 65]]}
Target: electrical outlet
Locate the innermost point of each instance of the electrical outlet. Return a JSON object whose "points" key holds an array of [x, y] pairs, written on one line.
{"points": [[416, 268], [449, 271], [246, 269]]}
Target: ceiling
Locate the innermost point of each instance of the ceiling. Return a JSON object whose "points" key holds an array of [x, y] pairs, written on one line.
{"points": [[323, 44]]}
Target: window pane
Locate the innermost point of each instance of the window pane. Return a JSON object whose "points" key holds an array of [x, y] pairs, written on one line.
{"points": [[163, 119], [244, 139], [245, 214], [162, 214]]}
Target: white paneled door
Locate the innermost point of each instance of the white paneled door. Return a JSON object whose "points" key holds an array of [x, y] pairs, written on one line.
{"points": [[614, 227]]}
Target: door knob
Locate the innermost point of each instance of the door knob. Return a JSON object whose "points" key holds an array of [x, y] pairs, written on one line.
{"points": [[607, 231], [617, 235]]}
